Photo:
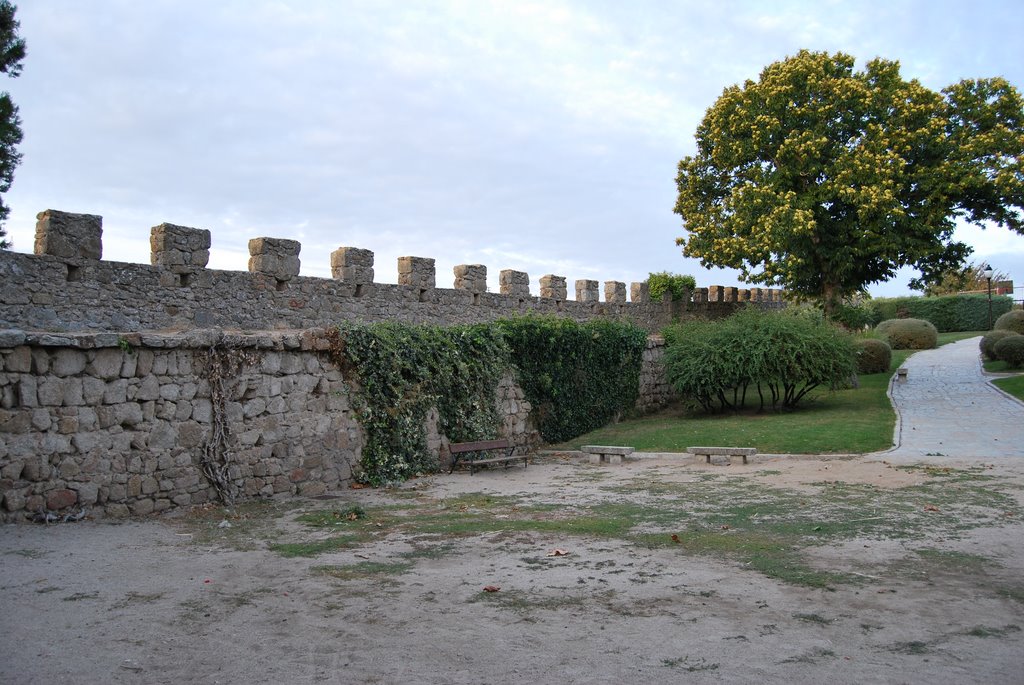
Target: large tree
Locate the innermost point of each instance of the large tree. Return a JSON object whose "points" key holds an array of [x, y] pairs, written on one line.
{"points": [[12, 52], [823, 179]]}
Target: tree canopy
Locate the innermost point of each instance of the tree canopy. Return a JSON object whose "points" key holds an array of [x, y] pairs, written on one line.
{"points": [[824, 179], [12, 52]]}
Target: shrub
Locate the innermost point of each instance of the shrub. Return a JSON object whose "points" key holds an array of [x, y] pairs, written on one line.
{"points": [[676, 285], [777, 357], [873, 356], [853, 316], [1011, 350], [1011, 321], [989, 340], [908, 334], [946, 313]]}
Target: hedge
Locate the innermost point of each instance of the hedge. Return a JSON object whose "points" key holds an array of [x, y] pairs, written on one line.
{"points": [[948, 313]]}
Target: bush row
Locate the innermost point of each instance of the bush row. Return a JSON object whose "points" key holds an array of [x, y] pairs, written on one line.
{"points": [[947, 313]]}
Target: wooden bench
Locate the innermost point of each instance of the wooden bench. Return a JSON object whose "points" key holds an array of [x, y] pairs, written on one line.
{"points": [[730, 452], [469, 454], [612, 455]]}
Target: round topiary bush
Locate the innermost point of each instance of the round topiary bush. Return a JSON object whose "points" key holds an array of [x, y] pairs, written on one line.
{"points": [[1011, 350], [989, 340], [1012, 320], [908, 334], [873, 356]]}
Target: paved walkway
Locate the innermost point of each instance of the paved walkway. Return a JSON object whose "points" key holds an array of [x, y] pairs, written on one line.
{"points": [[946, 407]]}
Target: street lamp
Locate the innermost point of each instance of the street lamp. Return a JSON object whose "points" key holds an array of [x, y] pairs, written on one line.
{"points": [[987, 273]]}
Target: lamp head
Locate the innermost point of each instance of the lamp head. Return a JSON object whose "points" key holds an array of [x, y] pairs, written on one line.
{"points": [[987, 271]]}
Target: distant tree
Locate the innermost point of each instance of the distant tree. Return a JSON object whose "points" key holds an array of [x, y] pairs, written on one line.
{"points": [[823, 179], [963, 279], [12, 52]]}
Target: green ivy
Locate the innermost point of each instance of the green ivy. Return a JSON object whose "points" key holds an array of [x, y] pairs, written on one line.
{"points": [[578, 377], [676, 285], [399, 372]]}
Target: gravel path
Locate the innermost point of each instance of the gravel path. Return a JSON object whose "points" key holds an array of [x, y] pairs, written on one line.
{"points": [[947, 407]]}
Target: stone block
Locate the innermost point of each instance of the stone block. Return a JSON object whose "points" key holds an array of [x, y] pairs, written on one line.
{"points": [[640, 293], [587, 291], [68, 362], [553, 287], [63, 234], [730, 294], [615, 292], [179, 248], [471, 277], [60, 499], [352, 265], [516, 283], [716, 293], [416, 271], [275, 257]]}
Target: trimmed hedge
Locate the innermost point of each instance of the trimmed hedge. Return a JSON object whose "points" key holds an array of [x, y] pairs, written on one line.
{"points": [[1011, 321], [947, 313], [908, 334], [1011, 350], [873, 356], [989, 340]]}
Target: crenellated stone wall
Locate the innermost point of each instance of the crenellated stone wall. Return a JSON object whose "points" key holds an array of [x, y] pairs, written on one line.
{"points": [[108, 399], [121, 424], [65, 286]]}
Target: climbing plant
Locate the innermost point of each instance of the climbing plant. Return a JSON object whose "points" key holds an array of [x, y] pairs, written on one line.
{"points": [[399, 372], [221, 367], [578, 377]]}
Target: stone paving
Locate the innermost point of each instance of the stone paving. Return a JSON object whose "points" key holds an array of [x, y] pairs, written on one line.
{"points": [[946, 407]]}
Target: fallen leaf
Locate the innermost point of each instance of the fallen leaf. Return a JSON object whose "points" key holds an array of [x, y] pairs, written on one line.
{"points": [[930, 507], [675, 538], [725, 527], [357, 486], [558, 553], [491, 588]]}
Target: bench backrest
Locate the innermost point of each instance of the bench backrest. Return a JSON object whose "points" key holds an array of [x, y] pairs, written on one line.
{"points": [[460, 447]]}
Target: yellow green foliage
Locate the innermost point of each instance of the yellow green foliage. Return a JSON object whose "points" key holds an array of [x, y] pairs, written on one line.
{"points": [[824, 179]]}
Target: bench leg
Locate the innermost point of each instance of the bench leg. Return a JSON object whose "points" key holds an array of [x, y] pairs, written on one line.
{"points": [[595, 458], [614, 458], [707, 458], [744, 459]]}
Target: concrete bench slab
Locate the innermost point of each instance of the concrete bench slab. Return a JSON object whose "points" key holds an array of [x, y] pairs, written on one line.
{"points": [[708, 452], [608, 453]]}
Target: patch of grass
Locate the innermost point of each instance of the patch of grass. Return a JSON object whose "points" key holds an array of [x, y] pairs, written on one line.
{"points": [[952, 559], [985, 631], [315, 547], [29, 553], [810, 657], [912, 647], [365, 569], [695, 666], [430, 550], [1015, 593], [946, 338], [138, 598], [813, 618], [1013, 385], [248, 524], [527, 602]]}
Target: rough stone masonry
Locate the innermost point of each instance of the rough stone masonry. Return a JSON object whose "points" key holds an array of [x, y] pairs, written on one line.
{"points": [[106, 397]]}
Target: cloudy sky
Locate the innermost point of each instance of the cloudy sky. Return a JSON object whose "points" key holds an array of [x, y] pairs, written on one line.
{"points": [[536, 136]]}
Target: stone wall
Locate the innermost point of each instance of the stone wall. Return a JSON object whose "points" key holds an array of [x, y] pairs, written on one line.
{"points": [[655, 391], [67, 287], [120, 424]]}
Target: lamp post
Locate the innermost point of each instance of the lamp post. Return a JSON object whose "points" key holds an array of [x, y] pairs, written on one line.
{"points": [[987, 272]]}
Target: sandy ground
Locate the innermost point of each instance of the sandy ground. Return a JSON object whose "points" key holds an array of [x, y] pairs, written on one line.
{"points": [[156, 601]]}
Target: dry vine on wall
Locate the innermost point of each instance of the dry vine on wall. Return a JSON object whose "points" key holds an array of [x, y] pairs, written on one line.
{"points": [[221, 367]]}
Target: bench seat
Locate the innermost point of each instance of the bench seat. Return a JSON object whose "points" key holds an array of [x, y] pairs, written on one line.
{"points": [[708, 452], [608, 453], [468, 454]]}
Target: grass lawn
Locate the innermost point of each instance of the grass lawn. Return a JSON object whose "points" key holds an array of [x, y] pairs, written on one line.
{"points": [[845, 421], [1013, 385]]}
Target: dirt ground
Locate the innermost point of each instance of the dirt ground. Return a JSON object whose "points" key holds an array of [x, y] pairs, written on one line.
{"points": [[920, 580]]}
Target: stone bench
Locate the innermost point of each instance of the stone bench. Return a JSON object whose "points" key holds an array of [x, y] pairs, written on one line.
{"points": [[612, 455], [730, 452]]}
